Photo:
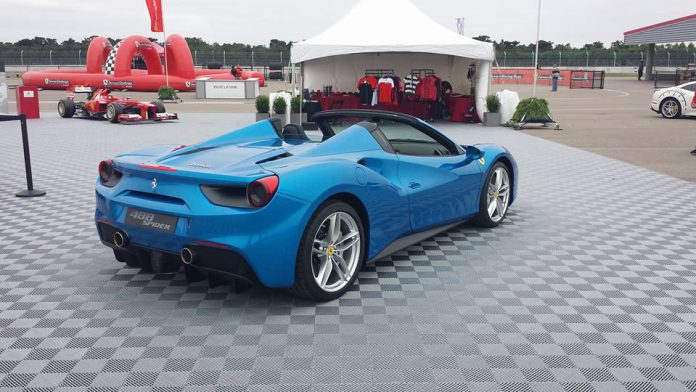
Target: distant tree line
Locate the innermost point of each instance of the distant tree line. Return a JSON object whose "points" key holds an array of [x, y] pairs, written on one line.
{"points": [[44, 50], [195, 43]]}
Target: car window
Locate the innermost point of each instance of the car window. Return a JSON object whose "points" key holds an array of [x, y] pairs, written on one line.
{"points": [[689, 87], [399, 137], [408, 140]]}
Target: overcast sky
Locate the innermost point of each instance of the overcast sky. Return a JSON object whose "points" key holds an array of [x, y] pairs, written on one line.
{"points": [[256, 22]]}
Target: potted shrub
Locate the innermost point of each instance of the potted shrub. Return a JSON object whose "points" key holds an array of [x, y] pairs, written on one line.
{"points": [[279, 109], [534, 111], [167, 94], [262, 108], [295, 106], [491, 117]]}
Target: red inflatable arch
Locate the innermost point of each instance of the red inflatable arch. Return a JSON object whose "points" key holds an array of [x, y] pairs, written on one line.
{"points": [[111, 66], [97, 52]]}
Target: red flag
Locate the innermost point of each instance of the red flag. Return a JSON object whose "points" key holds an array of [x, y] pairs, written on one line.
{"points": [[155, 9]]}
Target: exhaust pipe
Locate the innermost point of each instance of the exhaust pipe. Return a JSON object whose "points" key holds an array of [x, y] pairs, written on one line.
{"points": [[120, 240], [187, 256]]}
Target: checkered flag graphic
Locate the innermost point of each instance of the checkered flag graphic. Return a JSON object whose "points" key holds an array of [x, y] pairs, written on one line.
{"points": [[111, 59]]}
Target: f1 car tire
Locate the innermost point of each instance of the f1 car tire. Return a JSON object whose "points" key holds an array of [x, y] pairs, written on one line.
{"points": [[670, 108], [66, 108], [495, 197], [331, 252], [159, 105], [113, 110]]}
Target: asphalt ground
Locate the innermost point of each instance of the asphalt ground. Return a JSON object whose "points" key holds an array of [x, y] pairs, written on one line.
{"points": [[615, 122]]}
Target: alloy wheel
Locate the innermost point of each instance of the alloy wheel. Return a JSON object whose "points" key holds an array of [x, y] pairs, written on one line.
{"points": [[498, 194], [336, 251], [670, 108], [110, 112]]}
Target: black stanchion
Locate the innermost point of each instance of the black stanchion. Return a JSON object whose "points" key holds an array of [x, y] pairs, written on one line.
{"points": [[30, 191]]}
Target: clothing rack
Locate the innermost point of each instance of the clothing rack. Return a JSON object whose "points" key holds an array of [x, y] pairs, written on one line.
{"points": [[422, 72], [379, 72]]}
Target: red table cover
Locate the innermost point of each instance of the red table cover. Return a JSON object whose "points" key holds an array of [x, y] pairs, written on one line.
{"points": [[462, 108]]}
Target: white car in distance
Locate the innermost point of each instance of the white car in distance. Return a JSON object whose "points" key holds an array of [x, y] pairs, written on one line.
{"points": [[674, 102]]}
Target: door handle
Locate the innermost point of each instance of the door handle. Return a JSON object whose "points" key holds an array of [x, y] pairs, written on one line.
{"points": [[414, 185]]}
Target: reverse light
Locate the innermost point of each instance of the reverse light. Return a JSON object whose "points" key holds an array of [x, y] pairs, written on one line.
{"points": [[261, 191]]}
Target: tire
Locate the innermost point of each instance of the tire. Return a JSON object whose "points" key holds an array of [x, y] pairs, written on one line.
{"points": [[312, 260], [113, 110], [159, 105], [484, 218], [670, 108], [66, 108]]}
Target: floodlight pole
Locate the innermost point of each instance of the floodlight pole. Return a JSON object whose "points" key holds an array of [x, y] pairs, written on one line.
{"points": [[536, 54]]}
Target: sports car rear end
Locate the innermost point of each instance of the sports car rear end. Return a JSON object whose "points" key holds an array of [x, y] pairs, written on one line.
{"points": [[212, 207]]}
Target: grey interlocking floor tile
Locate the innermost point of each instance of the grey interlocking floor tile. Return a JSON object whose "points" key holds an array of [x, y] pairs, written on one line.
{"points": [[590, 285]]}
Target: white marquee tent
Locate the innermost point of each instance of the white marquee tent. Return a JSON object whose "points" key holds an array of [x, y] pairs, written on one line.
{"points": [[391, 34]]}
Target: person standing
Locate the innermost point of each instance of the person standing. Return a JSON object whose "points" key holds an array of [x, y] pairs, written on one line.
{"points": [[641, 67], [555, 75]]}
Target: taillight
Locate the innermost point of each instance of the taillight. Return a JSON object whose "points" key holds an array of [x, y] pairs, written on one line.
{"points": [[261, 191], [106, 170], [108, 176]]}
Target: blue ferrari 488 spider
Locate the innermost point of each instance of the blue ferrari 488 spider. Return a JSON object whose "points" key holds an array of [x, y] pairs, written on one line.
{"points": [[296, 209]]}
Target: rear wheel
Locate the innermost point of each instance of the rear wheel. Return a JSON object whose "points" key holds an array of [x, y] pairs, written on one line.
{"points": [[331, 252], [113, 110], [66, 108], [495, 197], [670, 108]]}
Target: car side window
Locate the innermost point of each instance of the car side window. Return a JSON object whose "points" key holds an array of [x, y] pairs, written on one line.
{"points": [[689, 87], [407, 140]]}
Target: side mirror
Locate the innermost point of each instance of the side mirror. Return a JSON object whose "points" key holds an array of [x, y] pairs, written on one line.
{"points": [[473, 152]]}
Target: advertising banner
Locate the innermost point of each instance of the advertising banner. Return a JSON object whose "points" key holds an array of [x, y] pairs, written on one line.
{"points": [[155, 9], [526, 76]]}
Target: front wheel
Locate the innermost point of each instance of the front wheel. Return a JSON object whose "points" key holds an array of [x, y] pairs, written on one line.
{"points": [[670, 108], [113, 110], [495, 197], [159, 106], [331, 252]]}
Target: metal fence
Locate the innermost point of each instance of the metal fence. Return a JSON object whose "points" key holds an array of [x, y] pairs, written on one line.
{"points": [[663, 58], [200, 58], [593, 59]]}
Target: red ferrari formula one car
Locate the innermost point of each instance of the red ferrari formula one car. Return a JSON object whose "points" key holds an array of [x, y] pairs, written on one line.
{"points": [[101, 104]]}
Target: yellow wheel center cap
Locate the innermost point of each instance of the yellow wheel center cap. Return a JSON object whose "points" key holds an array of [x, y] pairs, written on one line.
{"points": [[330, 251], [497, 193]]}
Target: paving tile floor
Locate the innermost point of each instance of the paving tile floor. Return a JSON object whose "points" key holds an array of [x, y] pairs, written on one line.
{"points": [[590, 285]]}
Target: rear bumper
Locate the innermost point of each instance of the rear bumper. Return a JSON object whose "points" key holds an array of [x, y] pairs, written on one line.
{"points": [[265, 240], [220, 262]]}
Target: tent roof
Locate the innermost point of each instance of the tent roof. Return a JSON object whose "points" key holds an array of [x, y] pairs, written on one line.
{"points": [[389, 26]]}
